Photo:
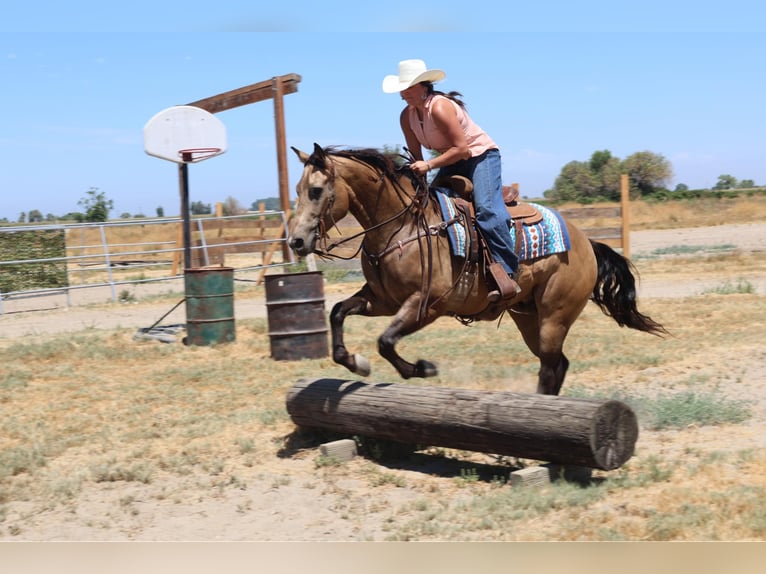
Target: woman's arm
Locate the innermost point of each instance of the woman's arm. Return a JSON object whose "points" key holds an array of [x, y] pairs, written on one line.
{"points": [[413, 145], [445, 118]]}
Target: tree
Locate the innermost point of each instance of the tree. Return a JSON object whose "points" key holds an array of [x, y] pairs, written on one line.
{"points": [[73, 216], [160, 212], [599, 159], [647, 172], [199, 208], [598, 178], [681, 187], [575, 181], [726, 181], [96, 205], [233, 207], [35, 216], [746, 184]]}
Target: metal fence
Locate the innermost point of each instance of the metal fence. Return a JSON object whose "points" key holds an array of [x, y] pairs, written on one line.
{"points": [[39, 260]]}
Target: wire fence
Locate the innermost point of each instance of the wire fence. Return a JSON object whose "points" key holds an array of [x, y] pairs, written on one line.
{"points": [[40, 260]]}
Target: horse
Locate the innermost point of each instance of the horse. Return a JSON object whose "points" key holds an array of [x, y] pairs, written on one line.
{"points": [[413, 275]]}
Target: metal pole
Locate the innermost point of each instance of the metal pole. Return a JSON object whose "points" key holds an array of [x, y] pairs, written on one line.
{"points": [[108, 261], [183, 181]]}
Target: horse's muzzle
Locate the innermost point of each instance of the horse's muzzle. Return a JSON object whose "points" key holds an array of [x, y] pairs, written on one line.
{"points": [[299, 246]]}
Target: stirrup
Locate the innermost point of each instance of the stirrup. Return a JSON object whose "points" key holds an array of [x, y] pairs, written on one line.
{"points": [[507, 288]]}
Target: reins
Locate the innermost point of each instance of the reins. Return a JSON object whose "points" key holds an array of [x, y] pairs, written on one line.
{"points": [[417, 204]]}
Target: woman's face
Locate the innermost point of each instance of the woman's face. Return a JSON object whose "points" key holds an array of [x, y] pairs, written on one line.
{"points": [[414, 95]]}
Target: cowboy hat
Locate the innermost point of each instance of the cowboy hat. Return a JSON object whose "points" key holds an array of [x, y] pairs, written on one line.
{"points": [[411, 72]]}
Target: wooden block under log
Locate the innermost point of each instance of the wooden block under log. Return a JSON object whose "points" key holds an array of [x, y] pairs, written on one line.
{"points": [[564, 430], [530, 476], [340, 450]]}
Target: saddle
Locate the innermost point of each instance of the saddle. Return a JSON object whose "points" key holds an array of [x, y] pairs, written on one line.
{"points": [[461, 188], [521, 213]]}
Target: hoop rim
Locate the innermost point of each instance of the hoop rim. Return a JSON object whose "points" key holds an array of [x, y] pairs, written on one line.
{"points": [[201, 153]]}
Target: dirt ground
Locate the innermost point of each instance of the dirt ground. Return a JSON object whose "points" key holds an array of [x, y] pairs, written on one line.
{"points": [[272, 508]]}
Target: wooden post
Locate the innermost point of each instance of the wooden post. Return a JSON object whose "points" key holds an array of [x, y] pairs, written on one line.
{"points": [[625, 213], [595, 434], [274, 89], [284, 188], [179, 245]]}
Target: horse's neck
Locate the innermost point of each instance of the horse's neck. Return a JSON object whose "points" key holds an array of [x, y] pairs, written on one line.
{"points": [[373, 202]]}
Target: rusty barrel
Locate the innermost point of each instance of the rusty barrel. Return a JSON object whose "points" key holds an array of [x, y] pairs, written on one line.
{"points": [[296, 316], [209, 305]]}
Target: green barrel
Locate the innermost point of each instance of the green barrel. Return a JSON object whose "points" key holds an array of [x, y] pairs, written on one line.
{"points": [[209, 305], [296, 316]]}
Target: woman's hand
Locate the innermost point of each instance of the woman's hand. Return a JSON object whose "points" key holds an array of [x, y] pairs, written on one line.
{"points": [[420, 167]]}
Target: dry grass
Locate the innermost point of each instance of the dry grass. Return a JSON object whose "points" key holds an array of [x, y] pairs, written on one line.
{"points": [[102, 436], [674, 214]]}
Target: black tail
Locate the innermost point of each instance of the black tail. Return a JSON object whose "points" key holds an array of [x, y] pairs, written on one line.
{"points": [[615, 291]]}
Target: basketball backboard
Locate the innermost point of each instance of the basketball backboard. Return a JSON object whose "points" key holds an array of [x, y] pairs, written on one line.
{"points": [[184, 134]]}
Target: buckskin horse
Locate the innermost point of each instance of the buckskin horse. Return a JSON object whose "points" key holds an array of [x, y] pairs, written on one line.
{"points": [[414, 274]]}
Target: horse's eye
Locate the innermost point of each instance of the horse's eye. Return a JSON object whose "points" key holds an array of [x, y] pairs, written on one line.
{"points": [[315, 193]]}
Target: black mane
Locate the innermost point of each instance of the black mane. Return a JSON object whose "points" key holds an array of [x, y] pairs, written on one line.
{"points": [[385, 163]]}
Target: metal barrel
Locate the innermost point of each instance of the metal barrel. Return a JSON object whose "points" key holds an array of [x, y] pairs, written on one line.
{"points": [[209, 305], [296, 316]]}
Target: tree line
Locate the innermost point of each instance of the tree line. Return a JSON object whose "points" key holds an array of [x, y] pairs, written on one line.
{"points": [[597, 179]]}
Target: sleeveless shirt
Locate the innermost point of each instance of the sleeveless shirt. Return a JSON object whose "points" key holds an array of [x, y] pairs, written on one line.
{"points": [[430, 137]]}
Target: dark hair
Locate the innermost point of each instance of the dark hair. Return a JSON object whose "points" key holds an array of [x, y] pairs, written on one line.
{"points": [[454, 96]]}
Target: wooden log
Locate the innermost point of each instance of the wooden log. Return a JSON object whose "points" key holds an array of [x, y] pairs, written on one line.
{"points": [[564, 430]]}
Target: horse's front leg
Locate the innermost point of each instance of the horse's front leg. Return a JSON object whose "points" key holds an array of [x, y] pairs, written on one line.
{"points": [[360, 303], [406, 321]]}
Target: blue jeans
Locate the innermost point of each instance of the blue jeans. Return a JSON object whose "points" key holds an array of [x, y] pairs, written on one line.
{"points": [[492, 217]]}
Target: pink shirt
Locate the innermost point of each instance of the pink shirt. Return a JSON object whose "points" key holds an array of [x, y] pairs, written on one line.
{"points": [[430, 137]]}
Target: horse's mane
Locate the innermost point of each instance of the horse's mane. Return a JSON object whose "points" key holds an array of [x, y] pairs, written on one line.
{"points": [[385, 163]]}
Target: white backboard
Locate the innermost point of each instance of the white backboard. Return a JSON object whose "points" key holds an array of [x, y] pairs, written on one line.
{"points": [[184, 134]]}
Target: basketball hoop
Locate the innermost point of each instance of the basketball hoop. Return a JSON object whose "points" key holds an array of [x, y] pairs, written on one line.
{"points": [[184, 134], [195, 154]]}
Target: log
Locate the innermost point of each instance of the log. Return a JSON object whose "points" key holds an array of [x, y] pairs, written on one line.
{"points": [[563, 430]]}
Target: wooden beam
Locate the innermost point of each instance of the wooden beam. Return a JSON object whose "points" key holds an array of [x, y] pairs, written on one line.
{"points": [[248, 95]]}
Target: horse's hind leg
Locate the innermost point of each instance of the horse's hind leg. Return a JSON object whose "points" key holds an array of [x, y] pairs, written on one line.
{"points": [[406, 321], [546, 340]]}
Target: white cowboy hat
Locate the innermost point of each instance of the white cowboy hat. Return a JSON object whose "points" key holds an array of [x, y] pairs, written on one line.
{"points": [[411, 72]]}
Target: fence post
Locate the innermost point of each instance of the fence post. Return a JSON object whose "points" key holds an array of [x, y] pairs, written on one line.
{"points": [[203, 243], [625, 214], [108, 262]]}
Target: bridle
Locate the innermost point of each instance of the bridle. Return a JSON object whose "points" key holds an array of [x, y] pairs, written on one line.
{"points": [[417, 204]]}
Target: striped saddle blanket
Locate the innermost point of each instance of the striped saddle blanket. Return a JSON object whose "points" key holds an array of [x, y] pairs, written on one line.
{"points": [[547, 237]]}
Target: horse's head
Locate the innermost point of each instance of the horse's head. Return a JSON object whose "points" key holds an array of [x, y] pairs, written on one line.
{"points": [[318, 206]]}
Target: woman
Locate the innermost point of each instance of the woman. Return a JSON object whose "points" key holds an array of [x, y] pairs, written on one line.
{"points": [[439, 121]]}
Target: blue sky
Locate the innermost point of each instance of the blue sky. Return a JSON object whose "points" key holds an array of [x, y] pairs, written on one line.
{"points": [[551, 84]]}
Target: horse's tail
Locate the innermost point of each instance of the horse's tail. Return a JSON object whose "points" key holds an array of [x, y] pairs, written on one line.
{"points": [[615, 291]]}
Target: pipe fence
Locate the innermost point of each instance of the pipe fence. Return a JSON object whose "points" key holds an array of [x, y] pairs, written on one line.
{"points": [[39, 260]]}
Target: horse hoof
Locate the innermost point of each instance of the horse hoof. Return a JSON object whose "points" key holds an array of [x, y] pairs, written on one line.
{"points": [[362, 365], [426, 369]]}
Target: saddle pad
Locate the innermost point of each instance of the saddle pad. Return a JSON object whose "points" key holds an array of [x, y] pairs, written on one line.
{"points": [[545, 238], [455, 232]]}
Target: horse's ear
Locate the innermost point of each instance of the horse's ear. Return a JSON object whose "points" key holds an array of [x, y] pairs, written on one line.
{"points": [[303, 156]]}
